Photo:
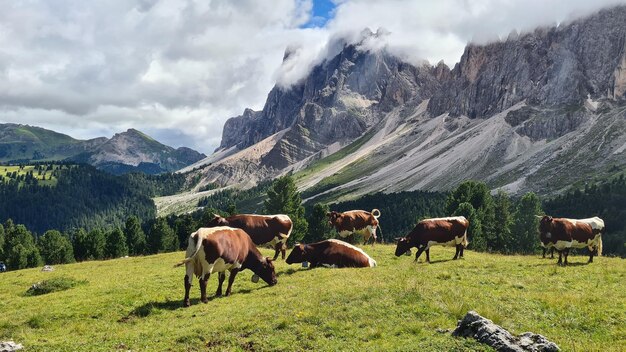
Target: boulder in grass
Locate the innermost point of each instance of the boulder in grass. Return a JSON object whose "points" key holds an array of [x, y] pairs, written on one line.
{"points": [[10, 346], [485, 331], [47, 268]]}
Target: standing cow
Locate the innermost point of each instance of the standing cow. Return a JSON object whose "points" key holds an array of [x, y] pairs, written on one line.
{"points": [[219, 249], [271, 230], [450, 232], [331, 253], [563, 234], [360, 222]]}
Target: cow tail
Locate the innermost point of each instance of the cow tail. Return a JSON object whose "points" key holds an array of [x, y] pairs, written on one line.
{"points": [[599, 246], [374, 212], [196, 238], [465, 242]]}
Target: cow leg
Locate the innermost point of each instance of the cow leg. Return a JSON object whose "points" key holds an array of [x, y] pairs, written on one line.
{"points": [[566, 254], [203, 281], [428, 255], [560, 258], [419, 252], [544, 252], [461, 252], [278, 247], [186, 302], [283, 250], [456, 253], [231, 279], [220, 278], [552, 253]]}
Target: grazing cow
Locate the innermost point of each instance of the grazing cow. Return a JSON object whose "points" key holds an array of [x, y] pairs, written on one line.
{"points": [[360, 222], [563, 234], [271, 230], [450, 231], [219, 249], [331, 253]]}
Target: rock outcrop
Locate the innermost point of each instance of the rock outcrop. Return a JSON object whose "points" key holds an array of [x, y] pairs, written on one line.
{"points": [[485, 331], [535, 112]]}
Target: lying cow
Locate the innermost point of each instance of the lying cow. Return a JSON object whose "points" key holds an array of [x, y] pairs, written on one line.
{"points": [[563, 234], [271, 230], [219, 249], [450, 232], [359, 222], [331, 253]]}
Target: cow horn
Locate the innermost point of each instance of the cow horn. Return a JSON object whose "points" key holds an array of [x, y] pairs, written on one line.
{"points": [[397, 239], [539, 216], [269, 260], [215, 215]]}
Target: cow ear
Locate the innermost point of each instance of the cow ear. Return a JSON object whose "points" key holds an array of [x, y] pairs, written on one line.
{"points": [[269, 260]]}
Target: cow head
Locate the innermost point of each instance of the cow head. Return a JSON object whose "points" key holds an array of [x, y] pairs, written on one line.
{"points": [[217, 221], [267, 271], [297, 255], [333, 216], [545, 228], [402, 246]]}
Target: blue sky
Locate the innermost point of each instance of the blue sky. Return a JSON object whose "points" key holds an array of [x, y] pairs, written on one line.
{"points": [[322, 12]]}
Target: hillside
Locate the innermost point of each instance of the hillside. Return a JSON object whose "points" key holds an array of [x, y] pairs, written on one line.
{"points": [[123, 153], [397, 306], [537, 111]]}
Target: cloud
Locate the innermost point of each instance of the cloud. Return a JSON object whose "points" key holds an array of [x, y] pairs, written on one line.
{"points": [[91, 68]]}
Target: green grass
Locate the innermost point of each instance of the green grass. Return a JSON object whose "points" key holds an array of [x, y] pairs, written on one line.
{"points": [[321, 164], [135, 303], [53, 285]]}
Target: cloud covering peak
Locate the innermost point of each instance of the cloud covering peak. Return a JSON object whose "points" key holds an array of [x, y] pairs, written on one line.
{"points": [[178, 69]]}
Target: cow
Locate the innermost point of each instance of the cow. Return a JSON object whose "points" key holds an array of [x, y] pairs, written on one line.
{"points": [[451, 231], [218, 249], [331, 253], [563, 234], [361, 222], [271, 230]]}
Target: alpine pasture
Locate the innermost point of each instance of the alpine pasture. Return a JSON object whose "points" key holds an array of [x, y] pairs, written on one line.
{"points": [[136, 304]]}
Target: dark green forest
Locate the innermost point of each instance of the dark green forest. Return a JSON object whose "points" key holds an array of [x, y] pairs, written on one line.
{"points": [[83, 197]]}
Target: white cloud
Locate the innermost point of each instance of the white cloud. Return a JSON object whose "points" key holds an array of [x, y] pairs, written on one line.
{"points": [[91, 68]]}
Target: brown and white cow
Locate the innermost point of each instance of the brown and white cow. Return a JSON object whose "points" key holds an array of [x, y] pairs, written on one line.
{"points": [[563, 234], [451, 231], [331, 253], [360, 222], [271, 230], [219, 249]]}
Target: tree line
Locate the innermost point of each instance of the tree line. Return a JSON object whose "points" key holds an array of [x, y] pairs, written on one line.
{"points": [[498, 223]]}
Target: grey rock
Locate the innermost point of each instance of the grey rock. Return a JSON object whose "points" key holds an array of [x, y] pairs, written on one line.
{"points": [[485, 331], [47, 268], [10, 346]]}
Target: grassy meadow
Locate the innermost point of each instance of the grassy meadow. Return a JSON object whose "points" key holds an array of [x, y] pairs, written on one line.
{"points": [[45, 178], [136, 304]]}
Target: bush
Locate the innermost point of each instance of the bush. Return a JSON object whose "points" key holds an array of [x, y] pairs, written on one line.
{"points": [[53, 285]]}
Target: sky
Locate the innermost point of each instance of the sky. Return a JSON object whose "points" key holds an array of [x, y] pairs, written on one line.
{"points": [[178, 69]]}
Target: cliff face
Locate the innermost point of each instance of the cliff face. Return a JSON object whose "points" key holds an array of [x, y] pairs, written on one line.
{"points": [[515, 104], [548, 67]]}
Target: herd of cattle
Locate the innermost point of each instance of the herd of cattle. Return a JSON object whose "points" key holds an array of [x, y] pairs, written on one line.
{"points": [[231, 243]]}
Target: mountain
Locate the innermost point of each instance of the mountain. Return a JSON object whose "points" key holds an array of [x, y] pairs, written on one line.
{"points": [[124, 152], [539, 111]]}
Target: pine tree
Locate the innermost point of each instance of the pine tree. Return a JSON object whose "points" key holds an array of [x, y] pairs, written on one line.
{"points": [[319, 228], [162, 238], [474, 232], [135, 237], [283, 198], [184, 226], [80, 240], [2, 242], [55, 248], [20, 248], [478, 196], [116, 244], [503, 239], [526, 223], [96, 244]]}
